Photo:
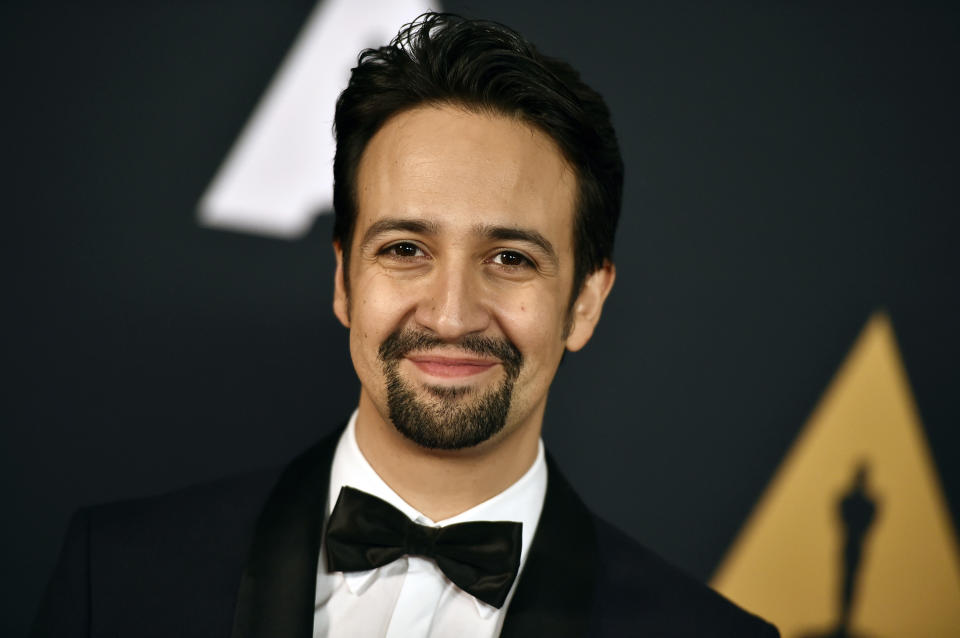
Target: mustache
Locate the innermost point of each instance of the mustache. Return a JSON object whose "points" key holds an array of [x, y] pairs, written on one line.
{"points": [[402, 341]]}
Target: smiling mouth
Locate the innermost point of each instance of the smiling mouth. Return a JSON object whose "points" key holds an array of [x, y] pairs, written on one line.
{"points": [[451, 367]]}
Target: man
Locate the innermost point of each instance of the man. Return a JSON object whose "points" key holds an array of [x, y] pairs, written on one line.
{"points": [[477, 189]]}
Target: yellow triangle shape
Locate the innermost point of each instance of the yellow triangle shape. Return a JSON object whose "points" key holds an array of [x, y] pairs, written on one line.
{"points": [[856, 500]]}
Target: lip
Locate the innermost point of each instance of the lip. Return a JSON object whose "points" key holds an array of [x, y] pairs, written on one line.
{"points": [[451, 367]]}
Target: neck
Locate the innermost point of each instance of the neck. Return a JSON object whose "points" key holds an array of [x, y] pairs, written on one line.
{"points": [[444, 483]]}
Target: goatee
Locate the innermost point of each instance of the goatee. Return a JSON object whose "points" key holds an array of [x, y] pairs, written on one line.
{"points": [[452, 420]]}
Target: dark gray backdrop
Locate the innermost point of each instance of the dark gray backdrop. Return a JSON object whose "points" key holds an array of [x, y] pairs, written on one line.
{"points": [[792, 167]]}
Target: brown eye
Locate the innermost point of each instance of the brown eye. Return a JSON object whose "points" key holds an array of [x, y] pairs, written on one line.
{"points": [[511, 259], [404, 250]]}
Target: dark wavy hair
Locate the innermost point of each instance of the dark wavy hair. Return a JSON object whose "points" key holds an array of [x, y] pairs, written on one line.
{"points": [[485, 66]]}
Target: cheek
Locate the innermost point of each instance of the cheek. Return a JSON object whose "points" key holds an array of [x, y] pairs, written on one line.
{"points": [[535, 325], [375, 313]]}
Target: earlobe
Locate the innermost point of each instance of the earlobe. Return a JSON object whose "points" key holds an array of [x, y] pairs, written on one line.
{"points": [[341, 302], [589, 305]]}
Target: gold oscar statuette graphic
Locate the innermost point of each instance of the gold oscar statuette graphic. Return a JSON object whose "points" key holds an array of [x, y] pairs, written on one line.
{"points": [[853, 536]]}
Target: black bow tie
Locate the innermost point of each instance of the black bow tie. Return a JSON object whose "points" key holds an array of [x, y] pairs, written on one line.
{"points": [[482, 558]]}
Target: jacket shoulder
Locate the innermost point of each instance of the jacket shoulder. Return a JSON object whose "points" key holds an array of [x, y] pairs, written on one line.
{"points": [[639, 593], [182, 538], [125, 562]]}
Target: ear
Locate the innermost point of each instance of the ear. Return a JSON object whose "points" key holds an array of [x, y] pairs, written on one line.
{"points": [[341, 304], [588, 305]]}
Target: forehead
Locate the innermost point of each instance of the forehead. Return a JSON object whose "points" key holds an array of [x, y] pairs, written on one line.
{"points": [[458, 167]]}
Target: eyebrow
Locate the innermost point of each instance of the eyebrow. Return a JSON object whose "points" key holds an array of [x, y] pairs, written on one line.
{"points": [[428, 227], [391, 224], [506, 233]]}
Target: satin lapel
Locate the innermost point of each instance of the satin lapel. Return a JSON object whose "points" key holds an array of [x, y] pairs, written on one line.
{"points": [[555, 593], [276, 597]]}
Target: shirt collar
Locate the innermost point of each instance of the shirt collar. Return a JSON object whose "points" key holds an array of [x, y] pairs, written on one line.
{"points": [[521, 502]]}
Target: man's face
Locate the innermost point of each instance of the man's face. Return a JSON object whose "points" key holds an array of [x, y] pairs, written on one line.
{"points": [[460, 275]]}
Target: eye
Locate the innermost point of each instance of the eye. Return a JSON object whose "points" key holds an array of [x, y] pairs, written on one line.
{"points": [[403, 250], [512, 259]]}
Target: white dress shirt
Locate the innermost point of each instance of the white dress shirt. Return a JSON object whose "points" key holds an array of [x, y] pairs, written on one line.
{"points": [[410, 597]]}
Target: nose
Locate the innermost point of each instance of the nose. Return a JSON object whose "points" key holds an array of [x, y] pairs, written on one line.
{"points": [[452, 304]]}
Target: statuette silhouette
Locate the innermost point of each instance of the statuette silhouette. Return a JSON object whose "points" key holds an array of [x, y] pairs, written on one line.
{"points": [[857, 510]]}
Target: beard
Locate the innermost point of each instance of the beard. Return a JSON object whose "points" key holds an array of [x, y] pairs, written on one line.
{"points": [[451, 418]]}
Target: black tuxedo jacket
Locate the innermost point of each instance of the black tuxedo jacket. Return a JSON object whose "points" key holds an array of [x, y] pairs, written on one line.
{"points": [[237, 559]]}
